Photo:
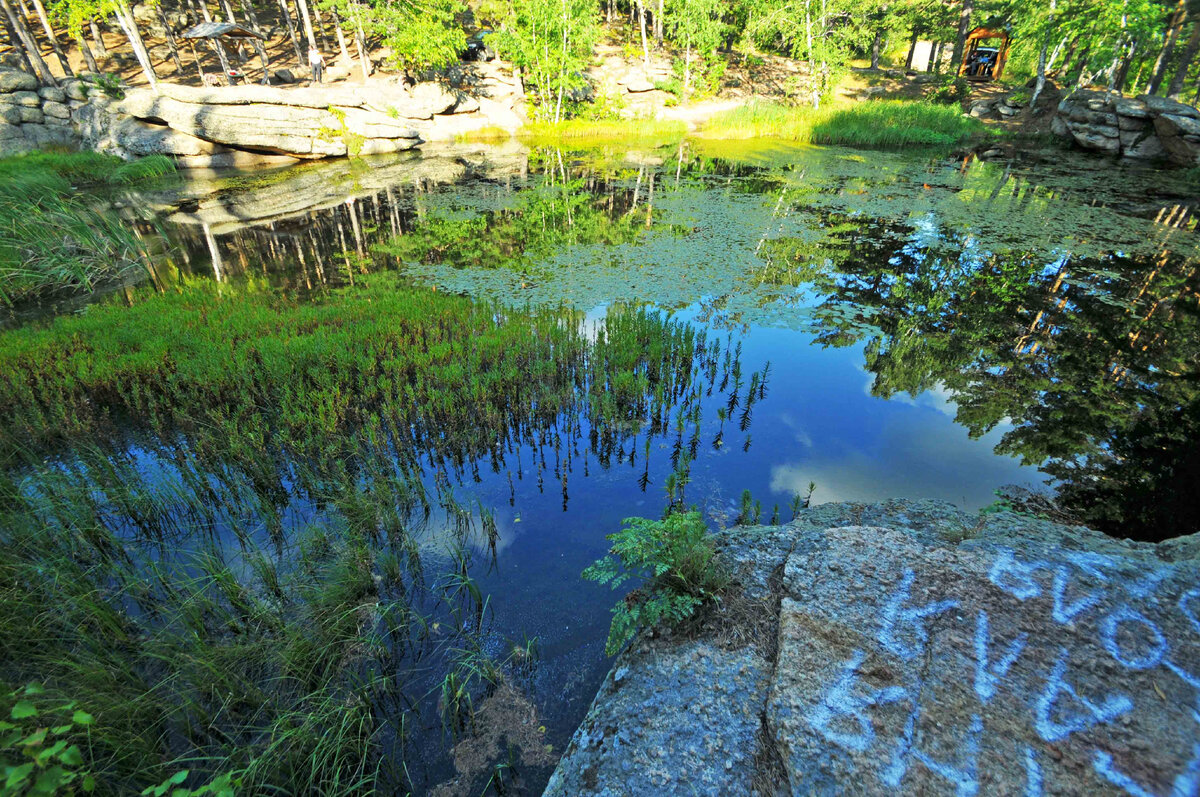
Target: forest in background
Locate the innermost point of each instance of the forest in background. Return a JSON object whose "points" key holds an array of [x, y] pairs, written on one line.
{"points": [[1131, 46]]}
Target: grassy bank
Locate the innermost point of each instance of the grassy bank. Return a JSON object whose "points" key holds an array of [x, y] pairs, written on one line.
{"points": [[54, 235], [871, 125]]}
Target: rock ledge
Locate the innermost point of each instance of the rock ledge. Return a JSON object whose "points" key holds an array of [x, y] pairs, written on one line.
{"points": [[909, 646]]}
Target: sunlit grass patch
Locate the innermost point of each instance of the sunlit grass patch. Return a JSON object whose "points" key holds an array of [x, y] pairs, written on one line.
{"points": [[579, 131], [879, 125]]}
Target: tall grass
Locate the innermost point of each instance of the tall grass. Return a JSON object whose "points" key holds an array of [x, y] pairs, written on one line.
{"points": [[54, 234], [578, 131], [891, 124]]}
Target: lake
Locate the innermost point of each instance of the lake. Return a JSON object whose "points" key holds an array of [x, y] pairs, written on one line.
{"points": [[319, 490]]}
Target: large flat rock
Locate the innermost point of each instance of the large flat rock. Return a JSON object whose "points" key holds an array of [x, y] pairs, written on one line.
{"points": [[266, 119], [919, 650]]}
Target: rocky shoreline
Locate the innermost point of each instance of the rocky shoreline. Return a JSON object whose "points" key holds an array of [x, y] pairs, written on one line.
{"points": [[910, 646], [254, 125], [1143, 127]]}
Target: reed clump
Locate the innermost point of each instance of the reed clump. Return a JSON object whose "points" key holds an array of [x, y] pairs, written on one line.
{"points": [[57, 232]]}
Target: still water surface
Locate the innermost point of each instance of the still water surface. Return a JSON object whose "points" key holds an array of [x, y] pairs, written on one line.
{"points": [[768, 318]]}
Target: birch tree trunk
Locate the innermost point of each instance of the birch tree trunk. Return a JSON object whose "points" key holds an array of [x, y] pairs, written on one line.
{"points": [[32, 54], [129, 27], [641, 9], [291, 26], [15, 38], [98, 38], [341, 38], [1041, 62], [912, 51], [58, 51], [89, 58], [166, 23], [360, 43], [308, 29], [320, 26]]}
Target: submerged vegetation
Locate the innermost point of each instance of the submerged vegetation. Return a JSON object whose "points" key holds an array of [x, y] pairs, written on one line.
{"points": [[55, 237], [870, 125]]}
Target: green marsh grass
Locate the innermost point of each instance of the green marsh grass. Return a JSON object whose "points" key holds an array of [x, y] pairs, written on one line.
{"points": [[884, 124], [183, 598], [55, 233], [580, 132]]}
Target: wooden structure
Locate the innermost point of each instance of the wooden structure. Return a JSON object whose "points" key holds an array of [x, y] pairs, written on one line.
{"points": [[985, 55], [217, 33]]}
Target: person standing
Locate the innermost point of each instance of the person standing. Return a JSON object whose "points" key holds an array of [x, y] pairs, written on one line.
{"points": [[317, 62]]}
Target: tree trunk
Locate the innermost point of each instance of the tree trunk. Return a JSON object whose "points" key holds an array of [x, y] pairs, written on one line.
{"points": [[658, 26], [875, 49], [341, 38], [1164, 55], [1189, 54], [308, 29], [320, 26], [129, 27], [89, 57], [1041, 75], [812, 71], [1117, 83], [1041, 63], [16, 44], [32, 54], [641, 7], [360, 42], [912, 51], [1083, 65], [1065, 67], [223, 57], [964, 28], [266, 62], [58, 51], [98, 38], [166, 23], [291, 26]]}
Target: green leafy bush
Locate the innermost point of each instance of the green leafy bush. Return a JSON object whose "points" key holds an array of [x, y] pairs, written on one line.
{"points": [[677, 559], [39, 751], [950, 91]]}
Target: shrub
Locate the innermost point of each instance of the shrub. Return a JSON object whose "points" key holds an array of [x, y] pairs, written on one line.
{"points": [[677, 560], [950, 91]]}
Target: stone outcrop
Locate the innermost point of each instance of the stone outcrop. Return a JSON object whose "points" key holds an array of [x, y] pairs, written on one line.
{"points": [[1143, 127], [32, 116], [908, 647], [254, 124]]}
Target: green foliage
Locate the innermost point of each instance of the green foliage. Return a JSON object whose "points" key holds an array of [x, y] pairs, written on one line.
{"points": [[878, 125], [40, 751], [222, 786], [675, 558], [949, 91], [551, 41]]}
